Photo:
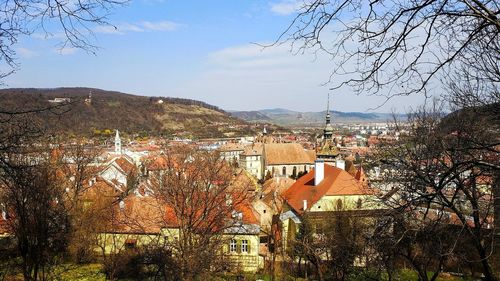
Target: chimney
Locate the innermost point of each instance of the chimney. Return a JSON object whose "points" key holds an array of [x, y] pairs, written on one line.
{"points": [[319, 171], [340, 163], [305, 205]]}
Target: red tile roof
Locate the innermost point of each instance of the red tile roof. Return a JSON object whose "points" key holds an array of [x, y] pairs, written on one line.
{"points": [[336, 182], [286, 154], [360, 176], [125, 165], [149, 215]]}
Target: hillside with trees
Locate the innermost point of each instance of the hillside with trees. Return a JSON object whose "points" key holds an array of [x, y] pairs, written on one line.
{"points": [[108, 110]]}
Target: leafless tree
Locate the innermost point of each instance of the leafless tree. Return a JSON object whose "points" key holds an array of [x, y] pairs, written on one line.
{"points": [[445, 169], [333, 242], [397, 47], [32, 194], [201, 201], [74, 20], [410, 238], [40, 185]]}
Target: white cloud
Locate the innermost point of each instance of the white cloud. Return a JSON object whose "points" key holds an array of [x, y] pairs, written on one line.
{"points": [[128, 27], [123, 28], [26, 53], [108, 29], [48, 36], [160, 26], [274, 77], [66, 51], [286, 7]]}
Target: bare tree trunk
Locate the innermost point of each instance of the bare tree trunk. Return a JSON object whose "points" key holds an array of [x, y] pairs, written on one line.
{"points": [[496, 229], [487, 270]]}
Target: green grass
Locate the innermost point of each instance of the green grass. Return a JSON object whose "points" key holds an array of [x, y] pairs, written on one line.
{"points": [[93, 272], [401, 275], [68, 272], [86, 272]]}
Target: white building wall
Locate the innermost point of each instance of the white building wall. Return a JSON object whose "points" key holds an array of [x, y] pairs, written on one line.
{"points": [[278, 169]]}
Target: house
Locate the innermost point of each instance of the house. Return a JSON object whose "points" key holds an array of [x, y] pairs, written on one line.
{"points": [[326, 189], [269, 201], [251, 159], [118, 170], [286, 159], [242, 246], [231, 151], [139, 221], [60, 100]]}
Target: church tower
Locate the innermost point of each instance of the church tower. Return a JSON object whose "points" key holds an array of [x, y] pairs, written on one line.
{"points": [[118, 143], [326, 149], [328, 131]]}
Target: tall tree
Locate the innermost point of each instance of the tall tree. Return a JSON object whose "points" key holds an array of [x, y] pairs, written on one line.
{"points": [[201, 198], [445, 169], [397, 47], [36, 193]]}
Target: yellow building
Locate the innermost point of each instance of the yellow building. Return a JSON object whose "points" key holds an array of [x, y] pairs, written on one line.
{"points": [[326, 189], [138, 221]]}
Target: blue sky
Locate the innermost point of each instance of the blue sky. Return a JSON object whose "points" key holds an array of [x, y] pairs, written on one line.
{"points": [[194, 49]]}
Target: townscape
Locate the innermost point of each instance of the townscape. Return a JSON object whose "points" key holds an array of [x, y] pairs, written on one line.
{"points": [[103, 185], [286, 203]]}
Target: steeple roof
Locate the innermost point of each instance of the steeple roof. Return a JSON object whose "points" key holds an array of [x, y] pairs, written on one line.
{"points": [[328, 131]]}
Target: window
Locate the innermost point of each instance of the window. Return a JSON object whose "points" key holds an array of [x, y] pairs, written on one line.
{"points": [[232, 246], [284, 171], [244, 246]]}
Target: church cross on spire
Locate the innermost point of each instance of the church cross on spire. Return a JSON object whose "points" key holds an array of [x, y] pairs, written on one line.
{"points": [[328, 104], [328, 131]]}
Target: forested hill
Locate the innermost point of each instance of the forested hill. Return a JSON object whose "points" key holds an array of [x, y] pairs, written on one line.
{"points": [[109, 110]]}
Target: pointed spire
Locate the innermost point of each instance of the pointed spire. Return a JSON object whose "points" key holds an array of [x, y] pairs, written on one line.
{"points": [[328, 104], [328, 131], [118, 143]]}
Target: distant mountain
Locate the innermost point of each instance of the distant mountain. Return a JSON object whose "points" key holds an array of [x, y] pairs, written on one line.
{"points": [[277, 111], [250, 115], [285, 117], [133, 114]]}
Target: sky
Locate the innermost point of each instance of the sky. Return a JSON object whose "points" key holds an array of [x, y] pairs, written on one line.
{"points": [[204, 50]]}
